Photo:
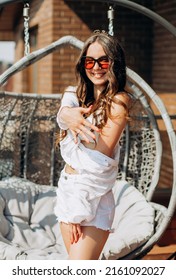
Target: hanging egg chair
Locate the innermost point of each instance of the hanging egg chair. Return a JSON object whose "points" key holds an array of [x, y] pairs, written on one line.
{"points": [[30, 167]]}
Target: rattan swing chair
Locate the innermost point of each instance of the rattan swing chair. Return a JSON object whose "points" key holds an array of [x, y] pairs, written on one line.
{"points": [[30, 167]]}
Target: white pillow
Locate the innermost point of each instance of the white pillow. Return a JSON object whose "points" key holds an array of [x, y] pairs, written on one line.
{"points": [[133, 222]]}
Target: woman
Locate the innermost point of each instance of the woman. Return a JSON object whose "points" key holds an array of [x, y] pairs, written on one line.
{"points": [[93, 116]]}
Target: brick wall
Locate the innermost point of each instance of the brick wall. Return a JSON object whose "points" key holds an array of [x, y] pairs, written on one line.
{"points": [[164, 78], [80, 18], [164, 49], [166, 178], [55, 19], [41, 17], [150, 48]]}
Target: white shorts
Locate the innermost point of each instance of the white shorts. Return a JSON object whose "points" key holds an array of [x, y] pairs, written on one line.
{"points": [[105, 213], [105, 210]]}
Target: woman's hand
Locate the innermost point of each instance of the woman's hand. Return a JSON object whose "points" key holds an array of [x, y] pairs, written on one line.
{"points": [[75, 232], [77, 124]]}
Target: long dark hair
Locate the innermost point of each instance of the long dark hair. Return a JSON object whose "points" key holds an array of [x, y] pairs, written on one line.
{"points": [[116, 77], [116, 83]]}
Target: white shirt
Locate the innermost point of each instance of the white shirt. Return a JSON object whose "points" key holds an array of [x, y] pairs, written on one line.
{"points": [[96, 172]]}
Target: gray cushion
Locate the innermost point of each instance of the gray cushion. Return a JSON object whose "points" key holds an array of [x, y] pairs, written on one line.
{"points": [[28, 221], [29, 229]]}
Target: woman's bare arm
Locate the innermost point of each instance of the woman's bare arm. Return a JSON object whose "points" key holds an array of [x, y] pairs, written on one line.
{"points": [[112, 131]]}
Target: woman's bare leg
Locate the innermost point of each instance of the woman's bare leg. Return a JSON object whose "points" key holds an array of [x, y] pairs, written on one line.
{"points": [[89, 245], [65, 235]]}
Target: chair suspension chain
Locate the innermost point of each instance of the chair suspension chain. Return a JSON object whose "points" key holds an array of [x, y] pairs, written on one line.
{"points": [[26, 29], [111, 18]]}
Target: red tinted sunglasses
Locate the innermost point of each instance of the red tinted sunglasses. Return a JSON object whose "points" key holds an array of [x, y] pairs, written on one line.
{"points": [[89, 62]]}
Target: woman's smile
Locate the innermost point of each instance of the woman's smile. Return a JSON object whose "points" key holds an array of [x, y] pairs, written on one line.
{"points": [[97, 75]]}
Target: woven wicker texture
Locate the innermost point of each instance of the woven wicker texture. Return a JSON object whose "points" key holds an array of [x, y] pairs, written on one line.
{"points": [[27, 147], [27, 141]]}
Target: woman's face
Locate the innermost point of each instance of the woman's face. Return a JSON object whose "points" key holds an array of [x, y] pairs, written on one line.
{"points": [[98, 75]]}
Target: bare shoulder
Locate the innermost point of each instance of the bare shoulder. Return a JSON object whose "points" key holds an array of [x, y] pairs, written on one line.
{"points": [[124, 98], [121, 104]]}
